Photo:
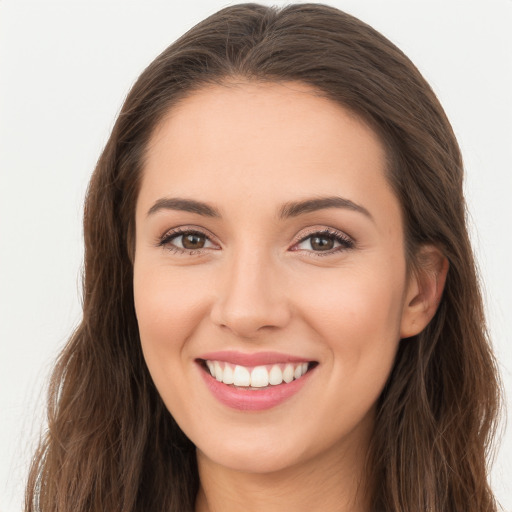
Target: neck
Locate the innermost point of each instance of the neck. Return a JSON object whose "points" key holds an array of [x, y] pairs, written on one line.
{"points": [[332, 482]]}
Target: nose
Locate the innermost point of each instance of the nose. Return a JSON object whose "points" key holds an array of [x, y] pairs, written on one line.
{"points": [[251, 297]]}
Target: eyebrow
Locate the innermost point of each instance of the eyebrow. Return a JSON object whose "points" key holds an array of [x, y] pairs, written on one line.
{"points": [[291, 209], [185, 205]]}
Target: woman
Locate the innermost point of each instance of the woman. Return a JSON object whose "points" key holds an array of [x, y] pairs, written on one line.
{"points": [[280, 302]]}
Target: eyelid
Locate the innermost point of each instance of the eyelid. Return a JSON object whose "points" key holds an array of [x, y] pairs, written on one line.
{"points": [[346, 242], [321, 230], [175, 232]]}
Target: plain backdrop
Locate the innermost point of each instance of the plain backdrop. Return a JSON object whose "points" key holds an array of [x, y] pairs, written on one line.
{"points": [[65, 68]]}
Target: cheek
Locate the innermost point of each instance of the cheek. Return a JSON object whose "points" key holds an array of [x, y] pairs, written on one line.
{"points": [[356, 318], [357, 315], [351, 300], [169, 305]]}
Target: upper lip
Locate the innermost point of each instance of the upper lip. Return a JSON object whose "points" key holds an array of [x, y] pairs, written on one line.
{"points": [[254, 359]]}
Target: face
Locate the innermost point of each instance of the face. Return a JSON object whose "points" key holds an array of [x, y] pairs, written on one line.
{"points": [[269, 276]]}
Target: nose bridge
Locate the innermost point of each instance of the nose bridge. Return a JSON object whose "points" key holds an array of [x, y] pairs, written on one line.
{"points": [[251, 295]]}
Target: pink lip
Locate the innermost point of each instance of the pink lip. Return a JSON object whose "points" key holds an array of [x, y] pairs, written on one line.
{"points": [[256, 359], [253, 400]]}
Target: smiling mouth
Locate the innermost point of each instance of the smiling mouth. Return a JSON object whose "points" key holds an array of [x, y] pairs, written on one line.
{"points": [[256, 377]]}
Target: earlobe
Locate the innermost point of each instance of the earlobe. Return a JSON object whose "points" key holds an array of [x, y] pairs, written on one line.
{"points": [[424, 291]]}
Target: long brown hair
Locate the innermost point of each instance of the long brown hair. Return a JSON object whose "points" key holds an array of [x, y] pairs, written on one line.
{"points": [[112, 445]]}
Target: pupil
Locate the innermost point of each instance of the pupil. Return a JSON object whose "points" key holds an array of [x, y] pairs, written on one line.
{"points": [[193, 241], [322, 243]]}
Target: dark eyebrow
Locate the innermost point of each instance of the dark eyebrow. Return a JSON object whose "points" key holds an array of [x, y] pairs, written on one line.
{"points": [[294, 209], [291, 209], [186, 205]]}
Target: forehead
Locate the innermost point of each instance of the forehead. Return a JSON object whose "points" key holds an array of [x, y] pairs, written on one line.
{"points": [[232, 142]]}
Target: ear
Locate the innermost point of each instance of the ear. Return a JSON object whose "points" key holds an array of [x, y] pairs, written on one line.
{"points": [[424, 290]]}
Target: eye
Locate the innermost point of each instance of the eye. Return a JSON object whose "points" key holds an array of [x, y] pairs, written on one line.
{"points": [[188, 240], [326, 241]]}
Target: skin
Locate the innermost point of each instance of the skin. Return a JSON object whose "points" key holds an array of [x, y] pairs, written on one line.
{"points": [[258, 284]]}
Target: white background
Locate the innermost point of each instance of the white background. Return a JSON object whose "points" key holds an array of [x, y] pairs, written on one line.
{"points": [[65, 68]]}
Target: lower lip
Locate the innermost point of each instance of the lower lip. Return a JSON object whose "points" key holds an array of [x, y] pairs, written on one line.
{"points": [[253, 399]]}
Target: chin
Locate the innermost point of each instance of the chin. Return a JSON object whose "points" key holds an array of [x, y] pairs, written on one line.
{"points": [[254, 461], [252, 451]]}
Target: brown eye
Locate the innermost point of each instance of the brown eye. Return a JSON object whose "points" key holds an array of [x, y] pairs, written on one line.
{"points": [[187, 241], [324, 242], [193, 241], [321, 243]]}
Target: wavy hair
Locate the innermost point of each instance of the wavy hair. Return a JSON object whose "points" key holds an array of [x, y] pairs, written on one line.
{"points": [[112, 445]]}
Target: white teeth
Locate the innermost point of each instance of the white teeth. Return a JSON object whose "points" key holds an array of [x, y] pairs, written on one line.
{"points": [[275, 376], [227, 377], [218, 371], [259, 377], [241, 376], [288, 373]]}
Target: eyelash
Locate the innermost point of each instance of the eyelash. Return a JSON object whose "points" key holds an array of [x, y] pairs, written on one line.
{"points": [[166, 240], [344, 241]]}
